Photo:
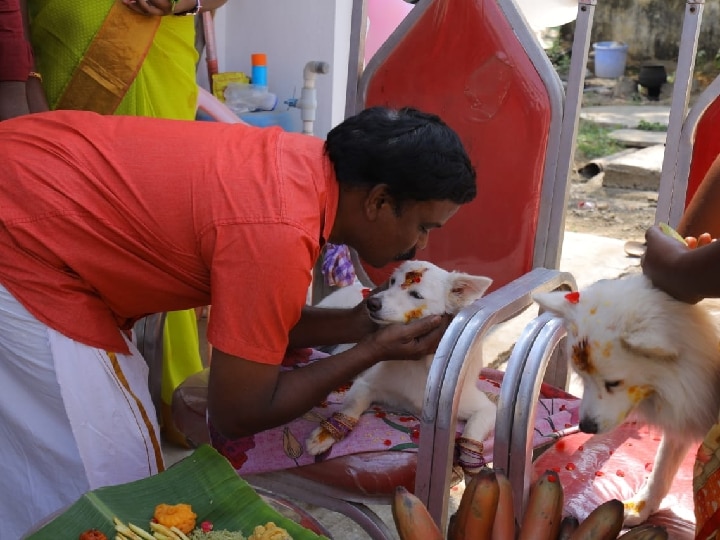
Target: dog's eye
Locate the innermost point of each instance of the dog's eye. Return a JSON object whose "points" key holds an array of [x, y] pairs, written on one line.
{"points": [[416, 294], [392, 281], [611, 385]]}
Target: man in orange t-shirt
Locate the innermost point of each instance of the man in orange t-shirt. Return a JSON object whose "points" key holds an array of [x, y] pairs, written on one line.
{"points": [[104, 220]]}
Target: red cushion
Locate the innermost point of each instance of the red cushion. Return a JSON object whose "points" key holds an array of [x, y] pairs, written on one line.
{"points": [[596, 468]]}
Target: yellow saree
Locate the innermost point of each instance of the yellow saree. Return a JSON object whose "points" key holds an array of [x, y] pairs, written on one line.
{"points": [[98, 55], [62, 32]]}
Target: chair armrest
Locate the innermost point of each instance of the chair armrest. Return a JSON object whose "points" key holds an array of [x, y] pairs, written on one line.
{"points": [[519, 396], [463, 336]]}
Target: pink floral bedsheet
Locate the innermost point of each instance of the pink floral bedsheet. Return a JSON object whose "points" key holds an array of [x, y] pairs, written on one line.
{"points": [[378, 430]]}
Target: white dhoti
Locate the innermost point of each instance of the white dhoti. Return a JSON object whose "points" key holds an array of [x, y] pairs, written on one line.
{"points": [[72, 418]]}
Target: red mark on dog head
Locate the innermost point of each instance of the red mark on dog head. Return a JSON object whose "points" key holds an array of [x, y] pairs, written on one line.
{"points": [[573, 297], [412, 277], [581, 356], [365, 292]]}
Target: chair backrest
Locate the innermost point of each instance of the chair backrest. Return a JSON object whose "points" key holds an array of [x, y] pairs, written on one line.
{"points": [[692, 142], [477, 64]]}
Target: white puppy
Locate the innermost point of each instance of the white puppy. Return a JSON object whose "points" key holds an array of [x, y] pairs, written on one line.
{"points": [[636, 348], [416, 289]]}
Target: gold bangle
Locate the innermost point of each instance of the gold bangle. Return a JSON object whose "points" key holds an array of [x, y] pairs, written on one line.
{"points": [[36, 75]]}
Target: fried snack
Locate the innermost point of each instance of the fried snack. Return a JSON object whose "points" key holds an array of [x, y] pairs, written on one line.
{"points": [[269, 531], [180, 516], [93, 534]]}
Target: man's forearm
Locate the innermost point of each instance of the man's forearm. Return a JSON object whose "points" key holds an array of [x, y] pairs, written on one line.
{"points": [[329, 326]]}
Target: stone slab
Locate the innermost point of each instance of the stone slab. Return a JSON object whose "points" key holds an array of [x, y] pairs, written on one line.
{"points": [[635, 170], [638, 138], [627, 116]]}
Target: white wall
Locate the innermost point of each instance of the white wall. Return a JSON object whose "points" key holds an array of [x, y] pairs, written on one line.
{"points": [[291, 33]]}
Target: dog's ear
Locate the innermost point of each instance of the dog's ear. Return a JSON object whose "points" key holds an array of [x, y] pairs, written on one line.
{"points": [[640, 338], [559, 303], [465, 289]]}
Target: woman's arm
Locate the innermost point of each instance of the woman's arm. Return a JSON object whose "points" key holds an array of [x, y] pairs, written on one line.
{"points": [[703, 213], [170, 7]]}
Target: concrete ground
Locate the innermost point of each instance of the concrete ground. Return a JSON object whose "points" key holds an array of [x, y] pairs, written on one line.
{"points": [[588, 258]]}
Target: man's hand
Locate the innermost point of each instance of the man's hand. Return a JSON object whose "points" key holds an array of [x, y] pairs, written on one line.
{"points": [[407, 341], [663, 263]]}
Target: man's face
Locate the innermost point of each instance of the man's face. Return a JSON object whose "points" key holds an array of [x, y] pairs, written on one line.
{"points": [[397, 234]]}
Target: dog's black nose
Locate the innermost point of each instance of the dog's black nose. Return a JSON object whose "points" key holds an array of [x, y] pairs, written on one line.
{"points": [[374, 304], [588, 426]]}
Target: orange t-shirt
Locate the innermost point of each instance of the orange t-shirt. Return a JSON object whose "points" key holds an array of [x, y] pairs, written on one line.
{"points": [[104, 219]]}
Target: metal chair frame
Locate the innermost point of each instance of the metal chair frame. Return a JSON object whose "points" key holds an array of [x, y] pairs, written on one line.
{"points": [[520, 389]]}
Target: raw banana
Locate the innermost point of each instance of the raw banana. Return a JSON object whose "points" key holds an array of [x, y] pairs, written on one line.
{"points": [[604, 522], [504, 526], [476, 513], [646, 531], [567, 527], [543, 513], [412, 519]]}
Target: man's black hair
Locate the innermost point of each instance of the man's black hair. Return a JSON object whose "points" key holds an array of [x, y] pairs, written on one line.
{"points": [[416, 154]]}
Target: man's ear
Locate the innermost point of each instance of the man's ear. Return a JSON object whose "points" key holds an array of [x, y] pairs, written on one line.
{"points": [[377, 197]]}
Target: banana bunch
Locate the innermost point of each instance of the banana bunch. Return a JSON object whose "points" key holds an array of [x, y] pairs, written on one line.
{"points": [[486, 513]]}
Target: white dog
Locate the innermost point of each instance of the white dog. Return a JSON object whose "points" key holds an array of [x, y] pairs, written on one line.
{"points": [[636, 348], [416, 289]]}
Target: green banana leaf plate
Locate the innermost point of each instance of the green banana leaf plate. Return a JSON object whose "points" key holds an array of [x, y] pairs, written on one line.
{"points": [[204, 479]]}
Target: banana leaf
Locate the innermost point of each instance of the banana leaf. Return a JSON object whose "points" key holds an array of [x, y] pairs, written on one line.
{"points": [[204, 479]]}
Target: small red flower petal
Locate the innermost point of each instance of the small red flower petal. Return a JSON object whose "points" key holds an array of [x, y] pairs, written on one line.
{"points": [[573, 297], [206, 526], [387, 442], [620, 473], [599, 473], [570, 466]]}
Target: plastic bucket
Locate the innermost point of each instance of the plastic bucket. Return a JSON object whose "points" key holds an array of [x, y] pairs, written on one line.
{"points": [[610, 58]]}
